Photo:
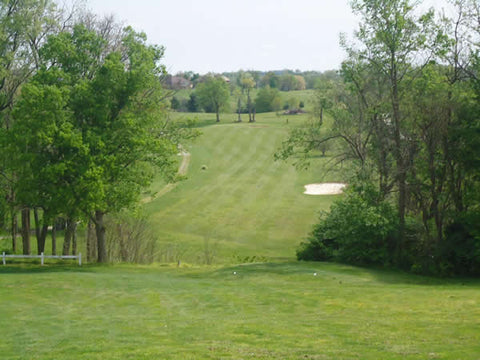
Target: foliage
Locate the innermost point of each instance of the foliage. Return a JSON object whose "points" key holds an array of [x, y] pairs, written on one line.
{"points": [[459, 254], [358, 230], [289, 82], [175, 103], [90, 129], [405, 119], [268, 99], [192, 104], [130, 239], [213, 95]]}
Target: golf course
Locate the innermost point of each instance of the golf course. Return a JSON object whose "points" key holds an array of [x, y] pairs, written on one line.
{"points": [[226, 283]]}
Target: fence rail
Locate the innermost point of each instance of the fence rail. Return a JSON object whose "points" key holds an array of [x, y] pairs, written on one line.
{"points": [[42, 257]]}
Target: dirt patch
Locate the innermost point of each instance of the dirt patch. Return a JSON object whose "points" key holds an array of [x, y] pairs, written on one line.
{"points": [[324, 189]]}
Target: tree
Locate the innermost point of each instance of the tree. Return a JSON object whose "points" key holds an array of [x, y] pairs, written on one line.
{"points": [[270, 79], [300, 83], [268, 99], [248, 83], [192, 103], [46, 152], [98, 119], [24, 26], [392, 39], [213, 93]]}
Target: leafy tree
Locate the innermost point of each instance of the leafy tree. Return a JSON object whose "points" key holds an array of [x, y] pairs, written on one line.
{"points": [[270, 79], [175, 103], [247, 83], [105, 117], [192, 103], [24, 26], [411, 128], [358, 229], [393, 36], [213, 93], [47, 153], [268, 99], [300, 83]]}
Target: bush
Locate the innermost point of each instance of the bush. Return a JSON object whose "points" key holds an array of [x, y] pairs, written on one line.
{"points": [[357, 230], [129, 239], [192, 104], [175, 103], [459, 254], [267, 100]]}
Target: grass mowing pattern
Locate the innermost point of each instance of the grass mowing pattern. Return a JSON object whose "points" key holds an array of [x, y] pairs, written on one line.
{"points": [[266, 311], [244, 204]]}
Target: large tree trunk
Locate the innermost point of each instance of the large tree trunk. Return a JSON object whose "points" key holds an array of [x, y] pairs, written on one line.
{"points": [[14, 230], [100, 231], [26, 231], [399, 159], [74, 238], [14, 222], [54, 238], [249, 105], [40, 232], [70, 230], [91, 242], [239, 108]]}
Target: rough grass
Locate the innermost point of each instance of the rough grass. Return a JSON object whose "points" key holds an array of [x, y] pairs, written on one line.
{"points": [[265, 311]]}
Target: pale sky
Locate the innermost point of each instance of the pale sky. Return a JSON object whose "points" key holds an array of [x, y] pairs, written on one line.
{"points": [[229, 35]]}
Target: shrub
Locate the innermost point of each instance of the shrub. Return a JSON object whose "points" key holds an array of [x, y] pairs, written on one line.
{"points": [[267, 100], [357, 230], [129, 239], [175, 103], [459, 253]]}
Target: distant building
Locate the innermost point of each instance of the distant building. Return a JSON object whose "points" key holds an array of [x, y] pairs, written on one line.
{"points": [[178, 83]]}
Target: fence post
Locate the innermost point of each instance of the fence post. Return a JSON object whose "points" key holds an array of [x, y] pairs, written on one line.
{"points": [[79, 259], [3, 258], [42, 258]]}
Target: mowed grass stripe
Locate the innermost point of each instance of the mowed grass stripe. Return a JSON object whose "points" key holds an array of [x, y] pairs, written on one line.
{"points": [[244, 202]]}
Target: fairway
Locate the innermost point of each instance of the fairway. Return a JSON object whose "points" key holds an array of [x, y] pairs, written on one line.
{"points": [[265, 311], [237, 202]]}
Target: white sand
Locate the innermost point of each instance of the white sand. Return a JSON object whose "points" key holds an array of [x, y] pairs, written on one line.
{"points": [[324, 189]]}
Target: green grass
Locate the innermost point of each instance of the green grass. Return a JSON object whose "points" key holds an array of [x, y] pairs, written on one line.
{"points": [[244, 204], [246, 214], [266, 311]]}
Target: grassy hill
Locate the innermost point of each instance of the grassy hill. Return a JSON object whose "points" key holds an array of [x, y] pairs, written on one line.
{"points": [[237, 202]]}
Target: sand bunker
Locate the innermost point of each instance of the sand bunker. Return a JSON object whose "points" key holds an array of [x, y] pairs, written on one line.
{"points": [[324, 189]]}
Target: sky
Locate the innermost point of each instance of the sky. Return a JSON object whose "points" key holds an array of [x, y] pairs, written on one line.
{"points": [[229, 35]]}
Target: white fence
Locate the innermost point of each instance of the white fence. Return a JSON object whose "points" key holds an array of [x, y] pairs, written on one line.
{"points": [[42, 257]]}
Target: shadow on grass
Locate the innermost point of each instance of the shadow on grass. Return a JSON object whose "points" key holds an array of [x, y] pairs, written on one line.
{"points": [[393, 276], [341, 271], [19, 267]]}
